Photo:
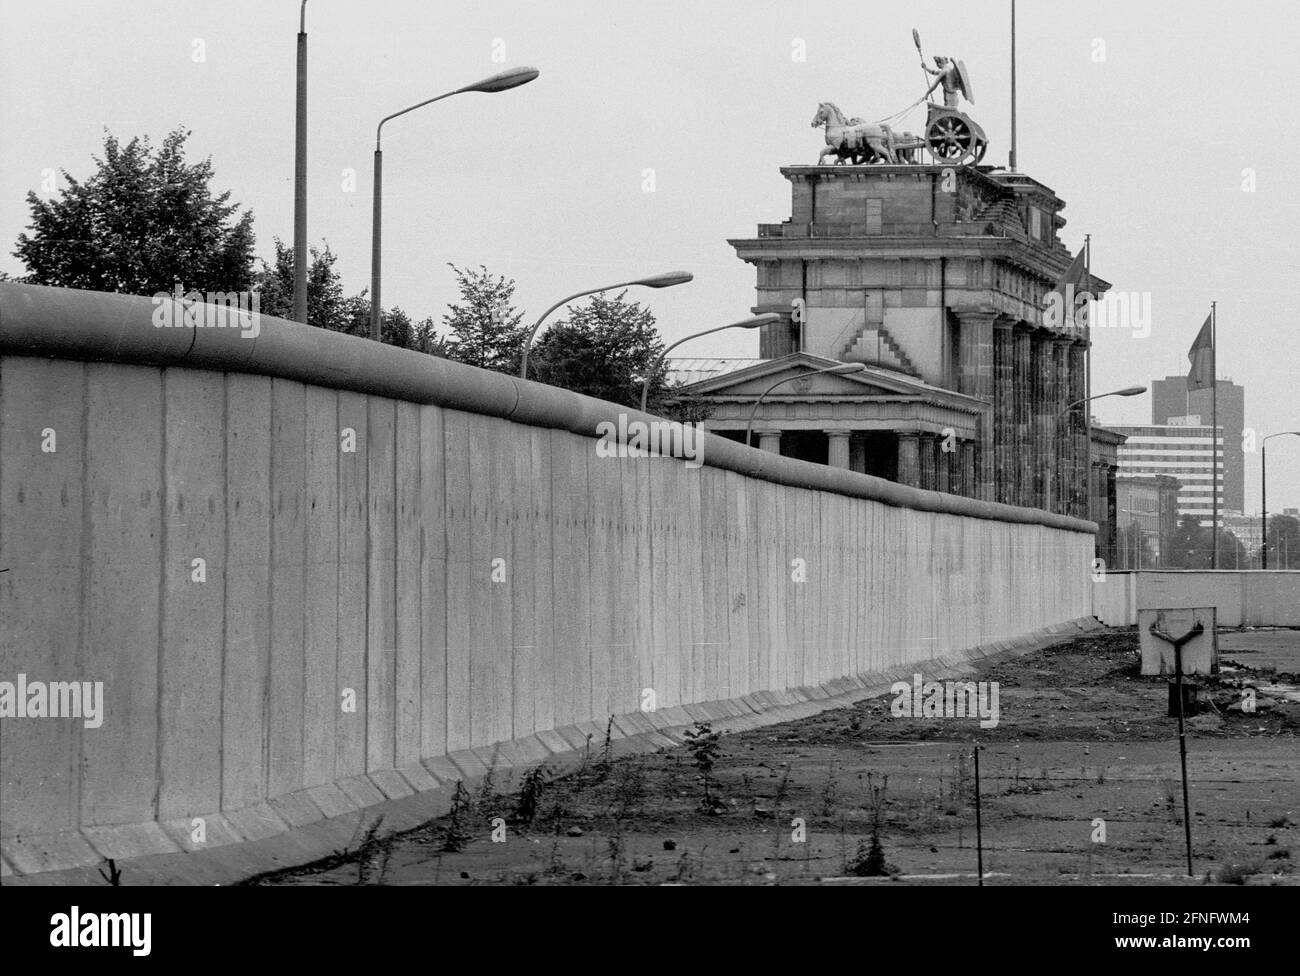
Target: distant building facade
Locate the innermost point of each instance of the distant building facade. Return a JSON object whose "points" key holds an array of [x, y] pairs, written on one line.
{"points": [[1146, 510], [1102, 490], [1171, 399], [1180, 451]]}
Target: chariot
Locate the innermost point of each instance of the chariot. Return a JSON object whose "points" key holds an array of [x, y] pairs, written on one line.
{"points": [[950, 137]]}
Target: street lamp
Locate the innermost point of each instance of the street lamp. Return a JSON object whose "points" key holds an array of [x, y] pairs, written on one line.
{"points": [[767, 318], [839, 369], [654, 281], [1127, 391], [300, 177], [500, 82], [1263, 493]]}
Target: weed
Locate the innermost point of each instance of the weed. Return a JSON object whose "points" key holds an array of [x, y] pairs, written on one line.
{"points": [[531, 789], [685, 869], [830, 792], [702, 743], [747, 784], [782, 789], [616, 846], [456, 833], [606, 761], [630, 787], [960, 787], [488, 803], [869, 860], [373, 855], [1170, 791], [556, 866]]}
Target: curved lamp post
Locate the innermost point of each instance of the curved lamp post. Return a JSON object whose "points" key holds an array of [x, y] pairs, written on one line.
{"points": [[840, 368], [767, 318], [300, 177], [654, 281], [1263, 493], [1127, 391], [500, 82]]}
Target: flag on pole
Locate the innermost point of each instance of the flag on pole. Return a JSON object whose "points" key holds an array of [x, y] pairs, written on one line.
{"points": [[1201, 356], [1064, 296]]}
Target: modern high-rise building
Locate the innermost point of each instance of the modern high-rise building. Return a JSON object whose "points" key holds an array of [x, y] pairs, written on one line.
{"points": [[1171, 399], [1183, 451]]}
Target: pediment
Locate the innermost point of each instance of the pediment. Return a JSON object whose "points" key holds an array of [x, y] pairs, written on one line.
{"points": [[804, 380]]}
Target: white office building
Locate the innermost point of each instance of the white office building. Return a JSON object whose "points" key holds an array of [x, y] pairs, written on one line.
{"points": [[1185, 450]]}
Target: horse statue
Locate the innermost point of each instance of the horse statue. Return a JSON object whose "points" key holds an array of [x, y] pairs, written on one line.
{"points": [[852, 139]]}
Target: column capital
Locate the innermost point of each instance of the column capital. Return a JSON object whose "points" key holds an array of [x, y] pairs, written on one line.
{"points": [[976, 314]]}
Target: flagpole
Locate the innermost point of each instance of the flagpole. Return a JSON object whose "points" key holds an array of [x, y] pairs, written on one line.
{"points": [[1013, 86], [1087, 372], [1214, 434]]}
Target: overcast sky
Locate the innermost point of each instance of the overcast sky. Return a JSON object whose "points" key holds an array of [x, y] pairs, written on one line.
{"points": [[1143, 117]]}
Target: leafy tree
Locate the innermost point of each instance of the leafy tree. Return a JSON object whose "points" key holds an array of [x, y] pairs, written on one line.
{"points": [[1134, 547], [1189, 546], [1191, 543], [605, 349], [486, 329], [674, 405], [144, 221], [397, 329], [1232, 553], [329, 308], [1284, 542]]}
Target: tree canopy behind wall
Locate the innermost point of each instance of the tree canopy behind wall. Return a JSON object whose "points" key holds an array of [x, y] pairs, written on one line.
{"points": [[142, 222]]}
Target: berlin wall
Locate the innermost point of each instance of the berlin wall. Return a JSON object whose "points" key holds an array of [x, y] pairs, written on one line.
{"points": [[303, 556]]}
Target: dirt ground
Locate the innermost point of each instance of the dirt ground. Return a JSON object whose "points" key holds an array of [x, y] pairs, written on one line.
{"points": [[1079, 784]]}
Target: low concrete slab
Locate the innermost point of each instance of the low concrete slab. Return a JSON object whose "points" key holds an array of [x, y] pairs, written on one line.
{"points": [[332, 800], [35, 853], [256, 822], [361, 791], [391, 783], [123, 841], [297, 808], [419, 778], [216, 831]]}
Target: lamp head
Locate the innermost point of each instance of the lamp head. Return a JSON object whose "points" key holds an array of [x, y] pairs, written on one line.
{"points": [[506, 79], [757, 322], [666, 280]]}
